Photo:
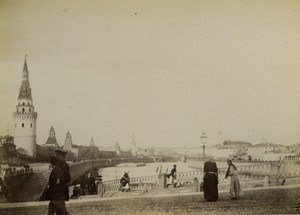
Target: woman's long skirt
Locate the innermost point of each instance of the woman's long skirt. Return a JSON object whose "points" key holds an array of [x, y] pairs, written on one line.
{"points": [[210, 187], [235, 187]]}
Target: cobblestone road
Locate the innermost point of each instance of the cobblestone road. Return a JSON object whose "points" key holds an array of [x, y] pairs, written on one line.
{"points": [[265, 201]]}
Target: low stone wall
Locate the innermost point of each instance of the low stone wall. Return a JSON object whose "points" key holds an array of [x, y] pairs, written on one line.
{"points": [[137, 183]]}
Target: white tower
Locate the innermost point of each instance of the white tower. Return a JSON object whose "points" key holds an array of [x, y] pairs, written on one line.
{"points": [[68, 141], [25, 118], [133, 147], [92, 144], [118, 148]]}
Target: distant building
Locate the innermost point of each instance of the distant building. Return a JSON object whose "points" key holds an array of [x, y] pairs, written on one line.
{"points": [[241, 145], [7, 139], [267, 152], [256, 153], [272, 156], [51, 141], [241, 148], [25, 117], [69, 144], [120, 153], [107, 152], [222, 153]]}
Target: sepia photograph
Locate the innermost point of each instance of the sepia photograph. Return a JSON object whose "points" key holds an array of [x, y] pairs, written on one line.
{"points": [[149, 107]]}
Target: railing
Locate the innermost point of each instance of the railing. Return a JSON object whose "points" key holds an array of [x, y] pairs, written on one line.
{"points": [[17, 171], [291, 158], [289, 169], [136, 183], [248, 173]]}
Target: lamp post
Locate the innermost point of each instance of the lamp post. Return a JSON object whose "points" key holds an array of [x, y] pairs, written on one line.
{"points": [[203, 140]]}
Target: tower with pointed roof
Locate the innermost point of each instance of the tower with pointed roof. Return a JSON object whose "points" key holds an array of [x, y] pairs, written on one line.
{"points": [[92, 144], [68, 146], [133, 147], [25, 117], [51, 141], [68, 141], [118, 148]]}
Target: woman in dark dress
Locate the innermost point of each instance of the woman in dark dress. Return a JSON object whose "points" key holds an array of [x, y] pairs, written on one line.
{"points": [[210, 181]]}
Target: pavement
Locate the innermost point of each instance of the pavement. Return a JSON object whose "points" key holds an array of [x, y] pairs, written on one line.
{"points": [[266, 200]]}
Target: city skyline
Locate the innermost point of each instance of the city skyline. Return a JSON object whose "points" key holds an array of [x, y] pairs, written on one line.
{"points": [[164, 70]]}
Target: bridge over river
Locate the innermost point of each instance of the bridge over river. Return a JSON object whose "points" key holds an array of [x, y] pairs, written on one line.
{"points": [[29, 187]]}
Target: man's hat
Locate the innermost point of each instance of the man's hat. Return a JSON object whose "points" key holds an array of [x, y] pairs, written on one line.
{"points": [[54, 160], [60, 152]]}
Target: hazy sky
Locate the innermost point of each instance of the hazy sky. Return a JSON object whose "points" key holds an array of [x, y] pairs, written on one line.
{"points": [[164, 70]]}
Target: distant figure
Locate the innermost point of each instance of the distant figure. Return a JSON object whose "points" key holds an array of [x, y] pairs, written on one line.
{"points": [[91, 184], [83, 186], [210, 181], [124, 183], [174, 171], [173, 176], [235, 187], [56, 192], [76, 191], [66, 171]]}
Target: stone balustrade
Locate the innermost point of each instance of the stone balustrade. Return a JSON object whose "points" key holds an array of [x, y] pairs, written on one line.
{"points": [[249, 173], [136, 183]]}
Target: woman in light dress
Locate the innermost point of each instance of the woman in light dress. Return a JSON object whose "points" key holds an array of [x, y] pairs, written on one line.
{"points": [[235, 187]]}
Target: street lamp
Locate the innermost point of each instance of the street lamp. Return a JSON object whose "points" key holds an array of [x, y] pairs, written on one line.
{"points": [[203, 140]]}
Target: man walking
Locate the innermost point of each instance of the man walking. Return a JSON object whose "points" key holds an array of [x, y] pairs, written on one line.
{"points": [[55, 192], [66, 171]]}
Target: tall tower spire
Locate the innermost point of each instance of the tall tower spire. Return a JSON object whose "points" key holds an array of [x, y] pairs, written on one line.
{"points": [[25, 70], [25, 117], [92, 144], [25, 90], [51, 141], [133, 147]]}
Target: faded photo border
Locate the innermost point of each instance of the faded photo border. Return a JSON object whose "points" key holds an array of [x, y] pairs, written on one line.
{"points": [[149, 78]]}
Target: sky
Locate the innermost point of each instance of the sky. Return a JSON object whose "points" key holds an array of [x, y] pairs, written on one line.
{"points": [[165, 70]]}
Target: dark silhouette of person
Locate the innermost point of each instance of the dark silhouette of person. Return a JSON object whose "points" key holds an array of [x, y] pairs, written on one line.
{"points": [[83, 185], [173, 174], [66, 171], [210, 181], [56, 191], [91, 184], [124, 182]]}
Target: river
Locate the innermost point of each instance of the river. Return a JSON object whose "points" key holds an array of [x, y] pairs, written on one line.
{"points": [[151, 169]]}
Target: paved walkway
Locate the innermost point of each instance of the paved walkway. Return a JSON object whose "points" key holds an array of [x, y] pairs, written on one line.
{"points": [[273, 200]]}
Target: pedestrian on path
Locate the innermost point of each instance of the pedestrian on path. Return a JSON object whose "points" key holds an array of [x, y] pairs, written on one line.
{"points": [[172, 177], [61, 155], [55, 192], [235, 187], [210, 181], [125, 183]]}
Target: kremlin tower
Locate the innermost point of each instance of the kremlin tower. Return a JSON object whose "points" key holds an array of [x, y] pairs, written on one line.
{"points": [[25, 118]]}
